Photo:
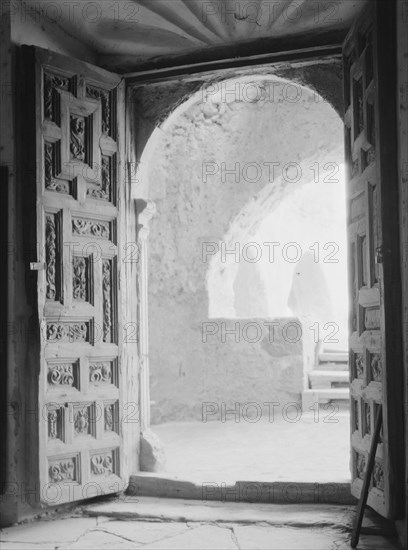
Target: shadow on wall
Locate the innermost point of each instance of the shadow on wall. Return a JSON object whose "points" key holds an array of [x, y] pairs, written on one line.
{"points": [[222, 174], [294, 263]]}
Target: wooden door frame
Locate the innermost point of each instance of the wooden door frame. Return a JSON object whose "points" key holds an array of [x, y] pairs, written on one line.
{"points": [[402, 109], [385, 22]]}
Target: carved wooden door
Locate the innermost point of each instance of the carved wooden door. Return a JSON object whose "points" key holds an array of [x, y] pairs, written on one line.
{"points": [[373, 255], [79, 139]]}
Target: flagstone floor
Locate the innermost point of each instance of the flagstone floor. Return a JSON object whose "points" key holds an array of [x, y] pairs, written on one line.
{"points": [[122, 526]]}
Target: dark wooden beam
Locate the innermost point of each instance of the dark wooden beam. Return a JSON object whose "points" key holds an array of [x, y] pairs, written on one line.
{"points": [[296, 49], [386, 116], [3, 326]]}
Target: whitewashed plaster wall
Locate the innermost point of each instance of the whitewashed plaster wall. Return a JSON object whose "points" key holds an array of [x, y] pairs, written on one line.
{"points": [[199, 206]]}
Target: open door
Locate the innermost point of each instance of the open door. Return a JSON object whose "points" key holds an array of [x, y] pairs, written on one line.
{"points": [[375, 342], [80, 235]]}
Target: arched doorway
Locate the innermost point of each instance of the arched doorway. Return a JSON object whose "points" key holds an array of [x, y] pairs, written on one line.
{"points": [[240, 166]]}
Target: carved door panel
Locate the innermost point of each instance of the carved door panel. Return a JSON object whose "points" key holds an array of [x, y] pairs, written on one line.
{"points": [[374, 315], [78, 144]]}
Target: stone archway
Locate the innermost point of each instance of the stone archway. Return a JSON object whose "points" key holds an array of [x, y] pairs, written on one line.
{"points": [[253, 205], [234, 210]]}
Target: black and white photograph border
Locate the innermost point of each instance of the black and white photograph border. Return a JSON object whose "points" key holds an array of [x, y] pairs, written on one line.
{"points": [[204, 307]]}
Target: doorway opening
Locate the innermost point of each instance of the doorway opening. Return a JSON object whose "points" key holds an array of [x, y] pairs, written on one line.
{"points": [[248, 299]]}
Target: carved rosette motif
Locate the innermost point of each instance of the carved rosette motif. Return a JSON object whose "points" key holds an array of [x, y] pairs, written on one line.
{"points": [[106, 176], [51, 183], [72, 332], [77, 134], [50, 256], [52, 424], [102, 464], [107, 300], [48, 164], [359, 365], [109, 415], [104, 190], [61, 375], [360, 465], [81, 421], [51, 83], [91, 227], [64, 470], [80, 279], [376, 367], [104, 97], [100, 372], [370, 155], [378, 476]]}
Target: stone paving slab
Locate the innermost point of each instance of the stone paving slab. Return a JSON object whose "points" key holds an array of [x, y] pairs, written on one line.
{"points": [[213, 525], [26, 546], [100, 539], [203, 537], [47, 531], [143, 532], [277, 538], [281, 538], [136, 535], [215, 511]]}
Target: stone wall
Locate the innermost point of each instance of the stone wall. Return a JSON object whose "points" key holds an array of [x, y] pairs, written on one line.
{"points": [[198, 202], [224, 362]]}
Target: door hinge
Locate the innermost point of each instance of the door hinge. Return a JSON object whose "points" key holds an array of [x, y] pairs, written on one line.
{"points": [[37, 266]]}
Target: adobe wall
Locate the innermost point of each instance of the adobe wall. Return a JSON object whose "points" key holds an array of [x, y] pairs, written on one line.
{"points": [[198, 202]]}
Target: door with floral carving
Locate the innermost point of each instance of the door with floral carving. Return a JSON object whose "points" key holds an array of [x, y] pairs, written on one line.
{"points": [[375, 354], [79, 196]]}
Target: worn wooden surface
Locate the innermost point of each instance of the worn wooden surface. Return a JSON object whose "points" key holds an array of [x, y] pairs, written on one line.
{"points": [[402, 113], [83, 337], [367, 480], [375, 358]]}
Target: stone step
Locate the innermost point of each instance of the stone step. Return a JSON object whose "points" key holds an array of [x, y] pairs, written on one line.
{"points": [[332, 366], [162, 485], [331, 357], [298, 514], [328, 379], [331, 393]]}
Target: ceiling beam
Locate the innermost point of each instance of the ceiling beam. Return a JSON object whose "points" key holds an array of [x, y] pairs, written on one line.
{"points": [[300, 49]]}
